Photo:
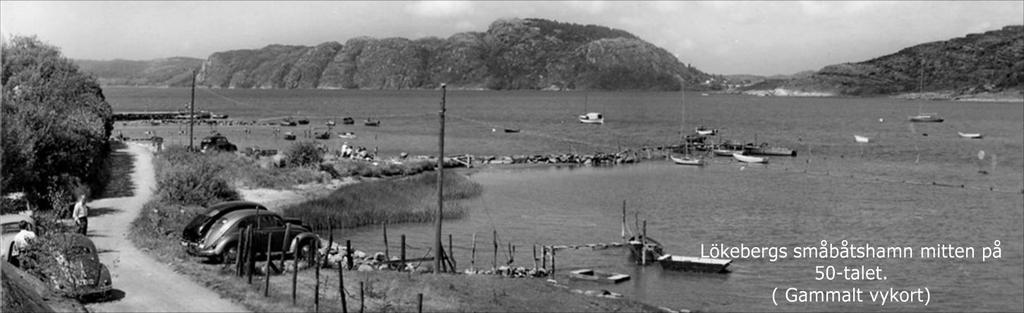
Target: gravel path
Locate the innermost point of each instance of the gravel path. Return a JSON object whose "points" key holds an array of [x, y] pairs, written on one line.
{"points": [[147, 285]]}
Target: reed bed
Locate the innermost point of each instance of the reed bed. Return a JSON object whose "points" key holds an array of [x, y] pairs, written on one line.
{"points": [[402, 200]]}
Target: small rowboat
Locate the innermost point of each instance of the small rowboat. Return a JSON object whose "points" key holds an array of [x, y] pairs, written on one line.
{"points": [[348, 121], [687, 160], [347, 135], [926, 118], [694, 264], [861, 139], [749, 159], [704, 131], [591, 118], [970, 135], [289, 136], [725, 152], [511, 130], [598, 276], [370, 122]]}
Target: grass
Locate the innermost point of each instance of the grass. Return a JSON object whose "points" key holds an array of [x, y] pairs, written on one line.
{"points": [[402, 200]]}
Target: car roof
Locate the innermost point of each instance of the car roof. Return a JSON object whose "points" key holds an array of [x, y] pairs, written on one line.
{"points": [[15, 219], [247, 212], [232, 204]]}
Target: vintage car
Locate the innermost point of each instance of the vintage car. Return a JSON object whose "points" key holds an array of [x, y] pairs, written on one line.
{"points": [[196, 229], [217, 143], [69, 262], [221, 242]]}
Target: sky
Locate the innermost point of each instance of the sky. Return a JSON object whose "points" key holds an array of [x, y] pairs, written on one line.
{"points": [[718, 37]]}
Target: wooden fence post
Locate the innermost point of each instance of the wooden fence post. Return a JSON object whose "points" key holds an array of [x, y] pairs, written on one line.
{"points": [[403, 253], [472, 260], [535, 256], [362, 298], [419, 301], [451, 252], [387, 255], [348, 253], [643, 245], [341, 289], [295, 274], [552, 262], [544, 257], [316, 287], [494, 260], [250, 263], [266, 281], [285, 243]]}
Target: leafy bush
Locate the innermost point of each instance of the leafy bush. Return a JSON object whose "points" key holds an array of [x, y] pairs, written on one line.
{"points": [[192, 179], [56, 121], [305, 154]]}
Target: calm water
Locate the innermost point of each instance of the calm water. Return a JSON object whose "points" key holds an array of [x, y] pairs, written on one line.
{"points": [[889, 201]]}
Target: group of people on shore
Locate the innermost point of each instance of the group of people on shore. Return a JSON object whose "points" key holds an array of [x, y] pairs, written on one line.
{"points": [[353, 152]]}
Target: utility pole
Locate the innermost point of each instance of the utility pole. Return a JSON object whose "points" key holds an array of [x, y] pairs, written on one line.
{"points": [[440, 185], [192, 112]]}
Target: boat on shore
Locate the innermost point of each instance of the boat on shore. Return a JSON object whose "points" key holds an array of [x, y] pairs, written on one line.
{"points": [[749, 159], [970, 135], [591, 118], [861, 139], [765, 149], [926, 118], [598, 276], [694, 264]]}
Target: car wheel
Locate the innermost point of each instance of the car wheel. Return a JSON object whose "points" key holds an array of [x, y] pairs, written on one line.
{"points": [[306, 251], [229, 254]]}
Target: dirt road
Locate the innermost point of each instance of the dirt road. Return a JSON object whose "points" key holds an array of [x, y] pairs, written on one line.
{"points": [[147, 286]]}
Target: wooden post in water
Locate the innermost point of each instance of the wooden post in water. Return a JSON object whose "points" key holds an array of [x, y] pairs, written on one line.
{"points": [[451, 252], [494, 261], [341, 289], [535, 256], [266, 280], [552, 262], [472, 260], [387, 256], [624, 220], [544, 257]]}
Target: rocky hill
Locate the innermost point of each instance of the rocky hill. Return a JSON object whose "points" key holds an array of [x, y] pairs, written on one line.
{"points": [[159, 72], [510, 54], [989, 62]]}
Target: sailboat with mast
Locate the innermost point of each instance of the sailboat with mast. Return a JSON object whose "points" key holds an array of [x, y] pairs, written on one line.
{"points": [[590, 117], [923, 117], [686, 158]]}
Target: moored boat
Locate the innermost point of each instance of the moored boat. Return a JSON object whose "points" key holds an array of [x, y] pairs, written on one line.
{"points": [[970, 135], [598, 276], [749, 159], [861, 139], [289, 136], [592, 118], [324, 135], [348, 121], [687, 160], [704, 131], [694, 264], [725, 151], [511, 130], [370, 122], [651, 252], [347, 135], [926, 118]]}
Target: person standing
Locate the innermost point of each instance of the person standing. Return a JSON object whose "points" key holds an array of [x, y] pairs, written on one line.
{"points": [[81, 215], [21, 241]]}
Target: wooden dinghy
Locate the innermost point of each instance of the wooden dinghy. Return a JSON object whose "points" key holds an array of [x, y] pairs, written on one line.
{"points": [[694, 264], [749, 159], [861, 139], [598, 276]]}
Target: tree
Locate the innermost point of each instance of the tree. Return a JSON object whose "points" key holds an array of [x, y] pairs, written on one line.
{"points": [[56, 121]]}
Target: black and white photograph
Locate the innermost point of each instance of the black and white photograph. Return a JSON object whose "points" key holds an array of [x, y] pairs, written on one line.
{"points": [[512, 156]]}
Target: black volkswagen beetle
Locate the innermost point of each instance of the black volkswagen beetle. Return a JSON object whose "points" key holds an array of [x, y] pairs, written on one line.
{"points": [[220, 242], [197, 228]]}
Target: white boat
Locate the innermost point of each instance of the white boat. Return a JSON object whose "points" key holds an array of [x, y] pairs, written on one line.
{"points": [[347, 135], [749, 159], [970, 135], [925, 118], [861, 139], [592, 118], [704, 131], [687, 160]]}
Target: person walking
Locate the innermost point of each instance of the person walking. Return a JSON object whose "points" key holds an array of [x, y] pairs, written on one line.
{"points": [[81, 215], [21, 241]]}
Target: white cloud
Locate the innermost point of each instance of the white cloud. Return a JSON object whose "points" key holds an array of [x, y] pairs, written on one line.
{"points": [[440, 9]]}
